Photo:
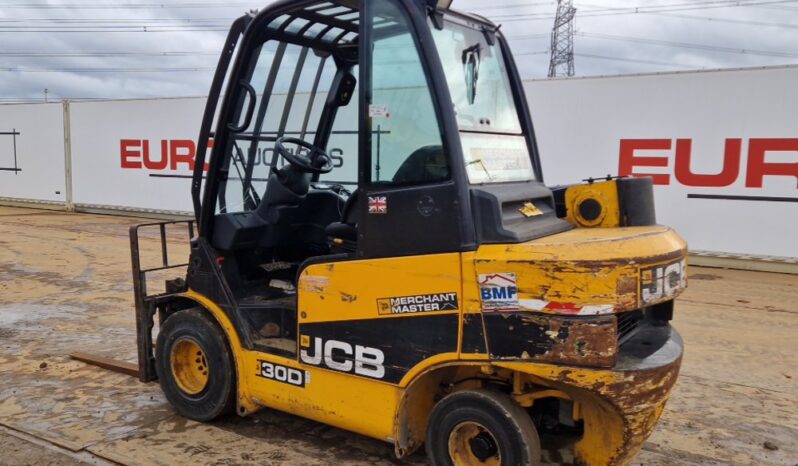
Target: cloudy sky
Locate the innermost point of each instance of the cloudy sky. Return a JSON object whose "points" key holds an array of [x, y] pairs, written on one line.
{"points": [[149, 48]]}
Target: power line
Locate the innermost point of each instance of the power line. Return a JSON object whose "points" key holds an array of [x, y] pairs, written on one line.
{"points": [[700, 5], [530, 36], [785, 8], [137, 29], [634, 60], [650, 9], [539, 52], [731, 21], [105, 70], [141, 25], [516, 5], [113, 20], [102, 54], [132, 6], [688, 45], [58, 99]]}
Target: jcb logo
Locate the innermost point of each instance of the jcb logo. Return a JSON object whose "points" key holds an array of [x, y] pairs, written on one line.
{"points": [[662, 281], [341, 356]]}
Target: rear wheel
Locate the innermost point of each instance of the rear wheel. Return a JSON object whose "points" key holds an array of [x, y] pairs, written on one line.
{"points": [[481, 427], [194, 366]]}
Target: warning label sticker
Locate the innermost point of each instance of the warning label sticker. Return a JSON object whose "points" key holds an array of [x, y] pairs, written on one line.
{"points": [[379, 111]]}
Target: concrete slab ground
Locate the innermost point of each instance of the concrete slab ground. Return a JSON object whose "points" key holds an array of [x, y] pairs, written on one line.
{"points": [[65, 287]]}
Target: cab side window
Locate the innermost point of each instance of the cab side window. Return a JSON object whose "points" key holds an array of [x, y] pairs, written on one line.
{"points": [[406, 145], [290, 86]]}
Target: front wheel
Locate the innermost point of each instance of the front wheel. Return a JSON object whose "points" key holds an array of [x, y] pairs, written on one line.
{"points": [[194, 366], [481, 428]]}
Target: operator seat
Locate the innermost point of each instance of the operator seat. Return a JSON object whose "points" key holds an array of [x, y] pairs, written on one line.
{"points": [[286, 189], [343, 234], [426, 164]]}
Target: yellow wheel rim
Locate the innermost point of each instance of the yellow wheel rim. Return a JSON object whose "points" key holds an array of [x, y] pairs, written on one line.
{"points": [[470, 443], [189, 366]]}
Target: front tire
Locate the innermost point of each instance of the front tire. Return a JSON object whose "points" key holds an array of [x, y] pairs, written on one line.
{"points": [[195, 366], [481, 428]]}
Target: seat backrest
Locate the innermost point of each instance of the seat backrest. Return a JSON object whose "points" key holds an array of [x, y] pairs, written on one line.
{"points": [[349, 214], [284, 190], [425, 165]]}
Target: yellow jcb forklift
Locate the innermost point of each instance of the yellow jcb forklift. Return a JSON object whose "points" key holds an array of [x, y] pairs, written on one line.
{"points": [[376, 250]]}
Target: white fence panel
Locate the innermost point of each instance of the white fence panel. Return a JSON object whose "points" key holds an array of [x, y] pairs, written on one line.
{"points": [[32, 152], [135, 153], [711, 138]]}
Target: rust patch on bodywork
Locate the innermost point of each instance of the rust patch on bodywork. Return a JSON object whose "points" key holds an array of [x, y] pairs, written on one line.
{"points": [[626, 285], [347, 298], [581, 341]]}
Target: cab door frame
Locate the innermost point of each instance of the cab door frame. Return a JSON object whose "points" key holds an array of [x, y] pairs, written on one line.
{"points": [[449, 201]]}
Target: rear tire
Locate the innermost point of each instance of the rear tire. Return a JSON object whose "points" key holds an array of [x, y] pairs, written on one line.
{"points": [[195, 366], [481, 427]]}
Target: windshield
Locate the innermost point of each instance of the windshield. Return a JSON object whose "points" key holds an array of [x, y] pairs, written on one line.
{"points": [[494, 146]]}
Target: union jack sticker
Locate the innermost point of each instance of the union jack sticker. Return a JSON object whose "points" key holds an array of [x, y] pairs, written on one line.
{"points": [[378, 205]]}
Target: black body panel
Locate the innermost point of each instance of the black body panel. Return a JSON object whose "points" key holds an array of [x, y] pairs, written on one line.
{"points": [[206, 278], [510, 336], [577, 340], [498, 217], [558, 193], [636, 199], [404, 341], [421, 219], [473, 334]]}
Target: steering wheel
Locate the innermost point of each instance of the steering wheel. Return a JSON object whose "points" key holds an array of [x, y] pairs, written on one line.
{"points": [[317, 162]]}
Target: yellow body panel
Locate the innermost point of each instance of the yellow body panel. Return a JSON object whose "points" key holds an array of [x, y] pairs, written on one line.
{"points": [[334, 398], [353, 403], [348, 290], [605, 193]]}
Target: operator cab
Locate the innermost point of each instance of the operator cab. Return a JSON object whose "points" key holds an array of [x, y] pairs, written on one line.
{"points": [[324, 153]]}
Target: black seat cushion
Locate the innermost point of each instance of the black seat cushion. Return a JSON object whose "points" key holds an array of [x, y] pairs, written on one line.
{"points": [[346, 229], [341, 230]]}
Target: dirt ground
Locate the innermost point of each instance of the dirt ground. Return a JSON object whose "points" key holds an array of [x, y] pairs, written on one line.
{"points": [[20, 452], [65, 287]]}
